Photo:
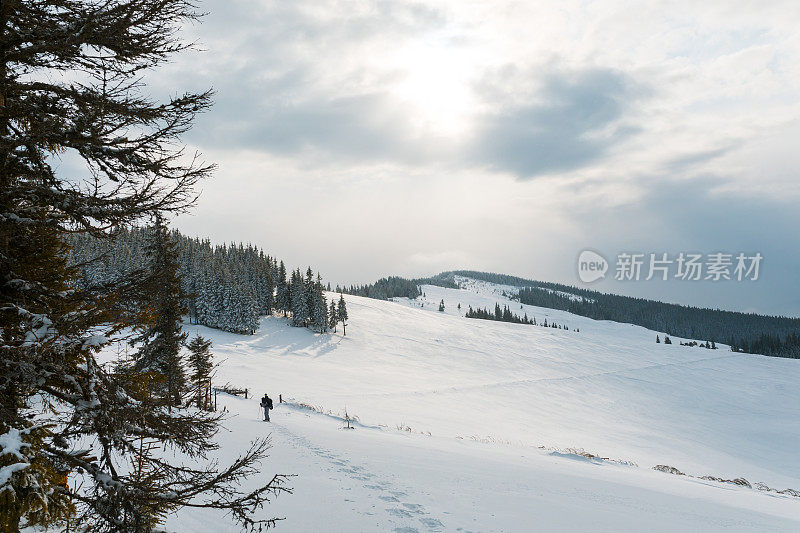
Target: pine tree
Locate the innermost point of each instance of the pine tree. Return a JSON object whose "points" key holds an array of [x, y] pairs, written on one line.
{"points": [[161, 336], [37, 350], [333, 317], [71, 86], [267, 290], [658, 340], [300, 311], [201, 365], [341, 312], [241, 309], [282, 295], [320, 317], [309, 295], [292, 294]]}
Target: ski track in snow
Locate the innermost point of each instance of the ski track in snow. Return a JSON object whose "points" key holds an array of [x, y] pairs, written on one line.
{"points": [[399, 508]]}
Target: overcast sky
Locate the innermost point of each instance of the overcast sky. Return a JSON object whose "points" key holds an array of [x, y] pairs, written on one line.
{"points": [[391, 138]]}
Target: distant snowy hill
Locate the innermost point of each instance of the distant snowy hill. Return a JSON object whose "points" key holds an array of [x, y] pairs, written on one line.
{"points": [[777, 336], [473, 425]]}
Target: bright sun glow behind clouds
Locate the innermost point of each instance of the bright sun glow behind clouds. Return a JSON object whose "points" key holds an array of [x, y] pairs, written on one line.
{"points": [[435, 81]]}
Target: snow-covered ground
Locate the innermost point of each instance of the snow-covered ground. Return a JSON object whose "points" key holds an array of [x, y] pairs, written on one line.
{"points": [[466, 425]]}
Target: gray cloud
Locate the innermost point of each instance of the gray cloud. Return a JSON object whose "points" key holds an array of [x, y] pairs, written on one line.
{"points": [[565, 128], [685, 162], [364, 127], [576, 119]]}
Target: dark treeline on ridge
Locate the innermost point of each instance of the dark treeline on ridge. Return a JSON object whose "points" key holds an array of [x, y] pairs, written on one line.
{"points": [[385, 288], [394, 287], [746, 332], [505, 314]]}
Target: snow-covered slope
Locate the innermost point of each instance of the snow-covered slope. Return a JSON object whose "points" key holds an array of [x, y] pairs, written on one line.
{"points": [[466, 424]]}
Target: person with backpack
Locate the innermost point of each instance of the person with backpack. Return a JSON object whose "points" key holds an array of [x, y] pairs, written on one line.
{"points": [[266, 404]]}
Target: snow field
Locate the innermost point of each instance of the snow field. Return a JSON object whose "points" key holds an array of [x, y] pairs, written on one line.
{"points": [[454, 412]]}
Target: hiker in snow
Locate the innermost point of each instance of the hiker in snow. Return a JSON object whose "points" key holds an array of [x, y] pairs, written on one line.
{"points": [[266, 403]]}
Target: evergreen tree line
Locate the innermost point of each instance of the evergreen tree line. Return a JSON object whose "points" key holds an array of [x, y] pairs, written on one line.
{"points": [[745, 332], [505, 314], [304, 297], [774, 345], [227, 287], [158, 364], [393, 287]]}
